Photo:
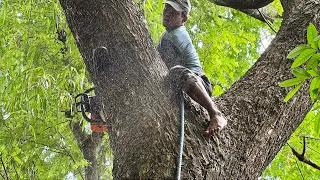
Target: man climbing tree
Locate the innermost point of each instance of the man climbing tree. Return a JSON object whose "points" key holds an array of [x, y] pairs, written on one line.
{"points": [[180, 56], [138, 105]]}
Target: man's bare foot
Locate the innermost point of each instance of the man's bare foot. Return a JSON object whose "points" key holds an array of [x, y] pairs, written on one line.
{"points": [[216, 124]]}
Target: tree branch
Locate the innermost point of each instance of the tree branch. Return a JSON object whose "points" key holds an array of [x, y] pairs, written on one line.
{"points": [[15, 169], [89, 146], [263, 15], [53, 126], [69, 154], [242, 4], [4, 167], [312, 138], [2, 175], [301, 156], [299, 169], [304, 146]]}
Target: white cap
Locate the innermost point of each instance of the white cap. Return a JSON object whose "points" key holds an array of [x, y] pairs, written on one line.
{"points": [[180, 5], [175, 5]]}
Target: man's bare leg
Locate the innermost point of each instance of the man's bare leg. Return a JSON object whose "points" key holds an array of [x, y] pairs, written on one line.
{"points": [[197, 92]]}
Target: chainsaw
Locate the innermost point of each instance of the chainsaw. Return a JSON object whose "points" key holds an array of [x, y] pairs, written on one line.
{"points": [[88, 105]]}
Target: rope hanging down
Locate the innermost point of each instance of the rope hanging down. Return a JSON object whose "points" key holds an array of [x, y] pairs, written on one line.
{"points": [[181, 115]]}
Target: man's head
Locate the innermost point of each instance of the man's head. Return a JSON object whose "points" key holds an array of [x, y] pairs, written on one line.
{"points": [[175, 13]]}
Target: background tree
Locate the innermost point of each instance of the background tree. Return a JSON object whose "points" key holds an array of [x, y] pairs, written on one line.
{"points": [[41, 72]]}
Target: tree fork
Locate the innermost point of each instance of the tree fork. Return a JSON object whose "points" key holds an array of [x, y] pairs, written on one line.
{"points": [[144, 118]]}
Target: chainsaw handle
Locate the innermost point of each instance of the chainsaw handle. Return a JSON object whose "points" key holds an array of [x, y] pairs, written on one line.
{"points": [[89, 90], [83, 111]]}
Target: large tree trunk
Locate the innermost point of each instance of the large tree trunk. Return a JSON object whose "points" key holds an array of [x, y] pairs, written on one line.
{"points": [[143, 112]]}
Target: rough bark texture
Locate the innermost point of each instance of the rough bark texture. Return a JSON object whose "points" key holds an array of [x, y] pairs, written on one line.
{"points": [[89, 146], [263, 15], [130, 85], [261, 122], [142, 110]]}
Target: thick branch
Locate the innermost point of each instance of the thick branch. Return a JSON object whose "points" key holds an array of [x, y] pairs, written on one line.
{"points": [[89, 146], [264, 16], [243, 4], [256, 100]]}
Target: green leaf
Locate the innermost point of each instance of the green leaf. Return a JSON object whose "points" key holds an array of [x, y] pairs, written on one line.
{"points": [[291, 82], [314, 61], [33, 132], [317, 41], [292, 92], [303, 57], [17, 159], [314, 88], [317, 123], [311, 35], [298, 50], [314, 72], [315, 94], [3, 149], [300, 73], [15, 151]]}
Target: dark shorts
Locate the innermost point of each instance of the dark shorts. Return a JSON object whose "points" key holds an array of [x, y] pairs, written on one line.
{"points": [[179, 75]]}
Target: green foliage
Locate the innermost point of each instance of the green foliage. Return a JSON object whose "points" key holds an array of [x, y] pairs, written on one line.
{"points": [[306, 71], [226, 51], [303, 57], [300, 73], [313, 62], [291, 82], [311, 35], [298, 50], [292, 92], [286, 166], [306, 68], [38, 77], [315, 88], [317, 123]]}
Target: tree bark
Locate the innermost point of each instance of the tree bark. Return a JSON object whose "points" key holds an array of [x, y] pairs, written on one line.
{"points": [[142, 110], [261, 14], [242, 4], [89, 146]]}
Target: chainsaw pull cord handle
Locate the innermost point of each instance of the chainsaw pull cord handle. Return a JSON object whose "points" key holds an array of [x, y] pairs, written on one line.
{"points": [[181, 115]]}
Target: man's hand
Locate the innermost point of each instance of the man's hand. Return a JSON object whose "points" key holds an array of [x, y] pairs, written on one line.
{"points": [[216, 124]]}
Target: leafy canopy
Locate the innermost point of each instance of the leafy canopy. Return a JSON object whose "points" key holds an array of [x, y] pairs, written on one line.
{"points": [[38, 77]]}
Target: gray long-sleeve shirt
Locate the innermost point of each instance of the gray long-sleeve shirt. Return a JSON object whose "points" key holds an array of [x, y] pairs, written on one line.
{"points": [[176, 48]]}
